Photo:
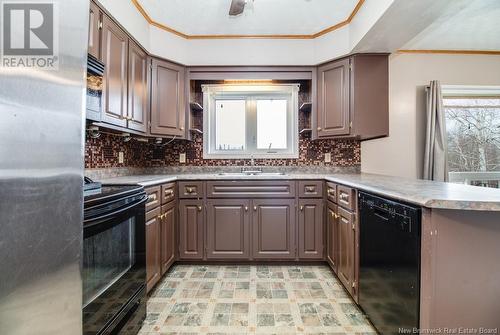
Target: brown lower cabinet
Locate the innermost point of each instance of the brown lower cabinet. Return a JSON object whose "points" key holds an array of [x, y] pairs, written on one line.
{"points": [[228, 229], [331, 235], [167, 231], [311, 228], [273, 224], [191, 220], [345, 268], [153, 266]]}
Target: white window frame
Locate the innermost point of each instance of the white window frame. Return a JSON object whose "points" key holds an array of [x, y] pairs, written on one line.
{"points": [[251, 93]]}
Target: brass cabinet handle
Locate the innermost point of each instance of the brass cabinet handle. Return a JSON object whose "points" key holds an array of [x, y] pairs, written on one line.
{"points": [[199, 208], [330, 191], [246, 208], [169, 192], [310, 189], [254, 208], [181, 128], [189, 190], [301, 208], [152, 196], [336, 215], [319, 128]]}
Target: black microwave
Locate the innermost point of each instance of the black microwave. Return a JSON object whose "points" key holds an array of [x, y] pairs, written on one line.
{"points": [[95, 75]]}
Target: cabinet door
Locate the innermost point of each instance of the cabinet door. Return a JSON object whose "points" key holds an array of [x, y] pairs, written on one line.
{"points": [[167, 105], [95, 25], [114, 45], [273, 224], [191, 229], [311, 228], [152, 248], [346, 247], [228, 229], [331, 235], [167, 236], [137, 88], [333, 99]]}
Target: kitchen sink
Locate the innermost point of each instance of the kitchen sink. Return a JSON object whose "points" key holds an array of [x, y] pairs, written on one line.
{"points": [[253, 173]]}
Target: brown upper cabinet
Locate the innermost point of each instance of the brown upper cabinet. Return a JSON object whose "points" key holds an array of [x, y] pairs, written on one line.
{"points": [[353, 98], [95, 27], [115, 52], [137, 108], [167, 99]]}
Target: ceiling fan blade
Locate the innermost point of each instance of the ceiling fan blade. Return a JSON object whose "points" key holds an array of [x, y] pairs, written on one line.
{"points": [[237, 7]]}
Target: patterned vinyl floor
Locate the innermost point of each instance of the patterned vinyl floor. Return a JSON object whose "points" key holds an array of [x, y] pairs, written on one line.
{"points": [[252, 300]]}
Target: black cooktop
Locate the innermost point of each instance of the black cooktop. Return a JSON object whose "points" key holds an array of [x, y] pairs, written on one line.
{"points": [[96, 193]]}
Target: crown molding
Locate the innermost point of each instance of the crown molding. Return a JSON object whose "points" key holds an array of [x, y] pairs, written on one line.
{"points": [[339, 25], [453, 52]]}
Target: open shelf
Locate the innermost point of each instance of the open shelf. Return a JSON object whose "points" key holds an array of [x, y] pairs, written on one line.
{"points": [[196, 107], [305, 107], [305, 131], [194, 130]]}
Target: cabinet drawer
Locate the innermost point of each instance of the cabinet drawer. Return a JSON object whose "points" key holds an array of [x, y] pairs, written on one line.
{"points": [[155, 213], [331, 191], [154, 197], [190, 190], [311, 189], [167, 193], [346, 197], [251, 189]]}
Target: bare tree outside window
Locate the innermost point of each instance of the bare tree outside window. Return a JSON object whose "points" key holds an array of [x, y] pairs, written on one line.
{"points": [[473, 127]]}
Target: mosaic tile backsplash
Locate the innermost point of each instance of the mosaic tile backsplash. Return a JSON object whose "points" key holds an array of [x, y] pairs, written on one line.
{"points": [[103, 153]]}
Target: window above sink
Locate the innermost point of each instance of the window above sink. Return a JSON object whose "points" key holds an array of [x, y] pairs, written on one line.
{"points": [[244, 121]]}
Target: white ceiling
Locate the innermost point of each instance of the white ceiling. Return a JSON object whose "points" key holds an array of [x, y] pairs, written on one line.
{"points": [[473, 25], [210, 17]]}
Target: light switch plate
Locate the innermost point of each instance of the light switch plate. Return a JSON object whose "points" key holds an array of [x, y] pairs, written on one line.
{"points": [[182, 158], [121, 157], [328, 157]]}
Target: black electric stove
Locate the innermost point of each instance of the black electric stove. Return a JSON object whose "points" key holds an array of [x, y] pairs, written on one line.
{"points": [[114, 273]]}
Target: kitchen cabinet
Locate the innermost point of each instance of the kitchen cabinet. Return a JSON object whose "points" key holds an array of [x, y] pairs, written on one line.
{"points": [[333, 99], [167, 99], [191, 221], [137, 106], [153, 267], [95, 28], [168, 238], [331, 235], [273, 224], [346, 248], [311, 229], [115, 52], [353, 98], [228, 229]]}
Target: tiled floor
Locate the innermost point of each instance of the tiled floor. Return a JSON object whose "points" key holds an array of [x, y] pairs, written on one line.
{"points": [[252, 300]]}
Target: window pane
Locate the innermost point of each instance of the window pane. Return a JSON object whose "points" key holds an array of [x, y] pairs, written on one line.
{"points": [[473, 127], [271, 124], [230, 124]]}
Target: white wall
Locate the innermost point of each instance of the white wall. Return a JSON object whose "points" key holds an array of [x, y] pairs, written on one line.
{"points": [[401, 154]]}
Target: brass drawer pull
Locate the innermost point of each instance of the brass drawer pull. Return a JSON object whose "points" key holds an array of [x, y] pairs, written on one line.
{"points": [[255, 208], [246, 208], [152, 197], [169, 192], [189, 190], [301, 208], [330, 191], [310, 189]]}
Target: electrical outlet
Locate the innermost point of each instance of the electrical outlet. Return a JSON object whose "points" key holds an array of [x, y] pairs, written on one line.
{"points": [[182, 158], [121, 157], [328, 157]]}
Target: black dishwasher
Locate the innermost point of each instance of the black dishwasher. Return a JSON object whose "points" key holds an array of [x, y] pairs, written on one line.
{"points": [[389, 274]]}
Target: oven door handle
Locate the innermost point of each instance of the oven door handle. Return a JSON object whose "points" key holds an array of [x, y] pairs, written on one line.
{"points": [[118, 211]]}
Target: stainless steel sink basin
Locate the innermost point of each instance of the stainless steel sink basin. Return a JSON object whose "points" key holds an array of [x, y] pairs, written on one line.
{"points": [[245, 174]]}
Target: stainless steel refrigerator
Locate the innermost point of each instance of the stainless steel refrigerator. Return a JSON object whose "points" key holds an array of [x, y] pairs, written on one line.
{"points": [[41, 166]]}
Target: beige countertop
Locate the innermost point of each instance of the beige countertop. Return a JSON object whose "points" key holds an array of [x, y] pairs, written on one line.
{"points": [[424, 193]]}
